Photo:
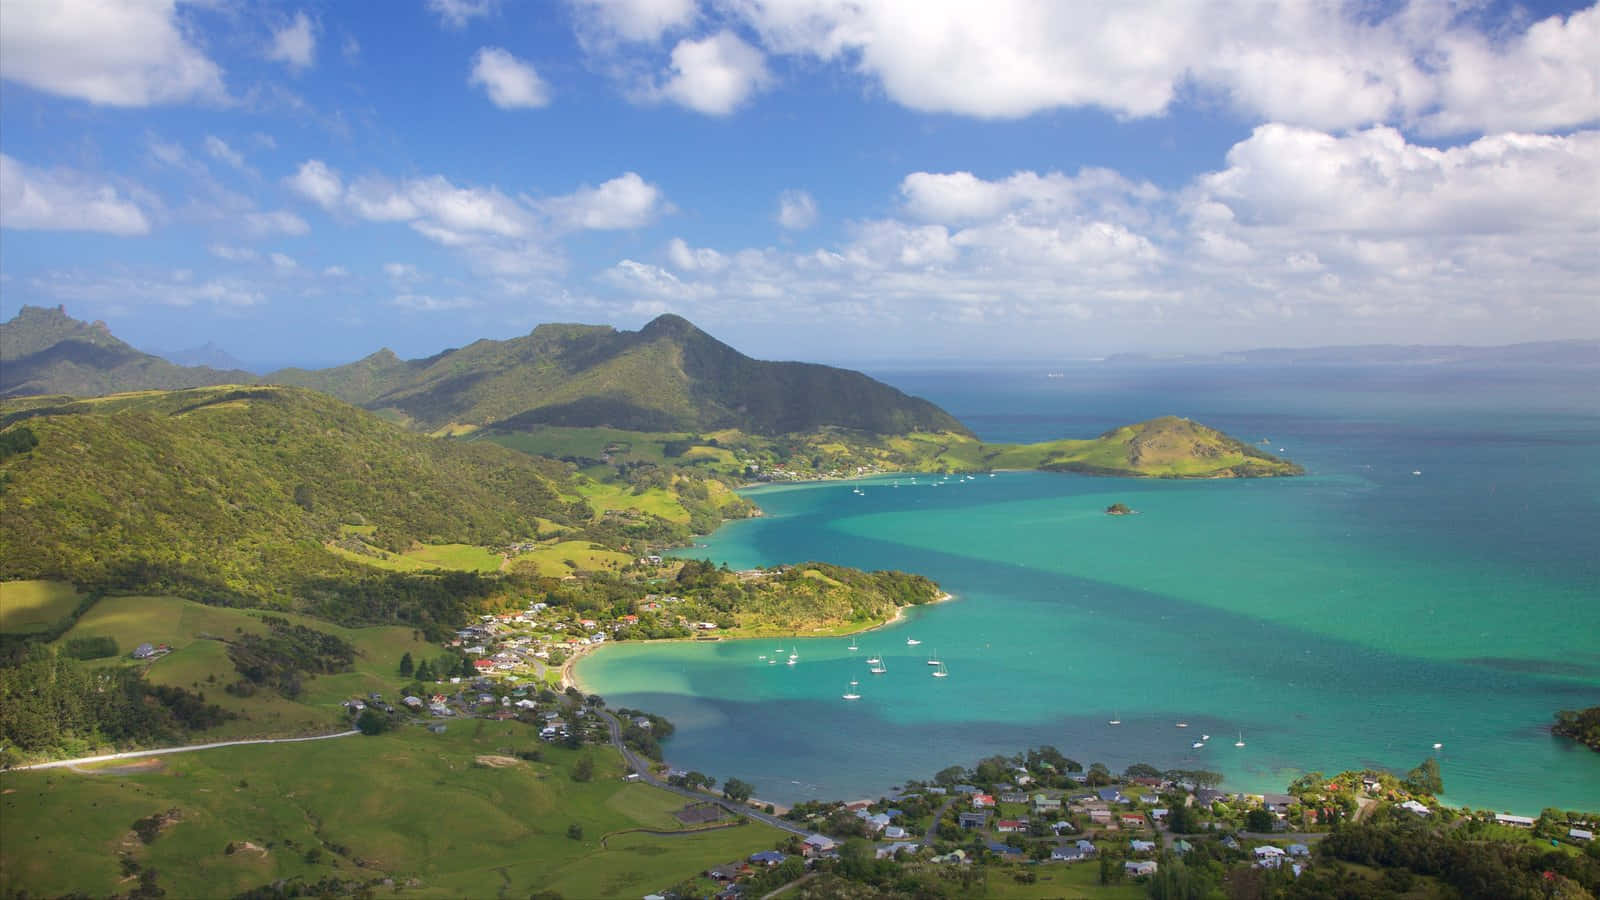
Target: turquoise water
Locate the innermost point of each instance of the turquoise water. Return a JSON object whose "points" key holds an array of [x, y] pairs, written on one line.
{"points": [[1350, 618]]}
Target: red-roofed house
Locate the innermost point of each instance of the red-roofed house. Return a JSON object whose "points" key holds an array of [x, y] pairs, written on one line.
{"points": [[483, 665], [980, 801]]}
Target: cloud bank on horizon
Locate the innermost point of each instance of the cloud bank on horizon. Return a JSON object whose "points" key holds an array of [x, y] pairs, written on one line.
{"points": [[840, 179]]}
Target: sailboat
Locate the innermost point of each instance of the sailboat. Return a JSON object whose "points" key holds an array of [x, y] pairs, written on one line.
{"points": [[1114, 720], [852, 648], [1240, 741], [873, 660], [878, 668], [850, 693], [912, 642], [940, 672], [933, 659], [1197, 745]]}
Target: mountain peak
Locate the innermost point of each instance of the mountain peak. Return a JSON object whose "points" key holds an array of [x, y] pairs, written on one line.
{"points": [[668, 324]]}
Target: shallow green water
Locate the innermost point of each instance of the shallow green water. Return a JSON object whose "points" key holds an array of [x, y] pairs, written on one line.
{"points": [[1353, 617]]}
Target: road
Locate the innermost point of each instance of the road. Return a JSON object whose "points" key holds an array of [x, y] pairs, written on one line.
{"points": [[933, 829], [135, 754], [642, 767]]}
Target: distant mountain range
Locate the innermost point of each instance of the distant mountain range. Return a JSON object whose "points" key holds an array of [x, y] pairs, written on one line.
{"points": [[1557, 353], [208, 354], [668, 376]]}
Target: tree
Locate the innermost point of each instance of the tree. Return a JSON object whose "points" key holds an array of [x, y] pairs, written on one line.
{"points": [[372, 722], [1099, 775], [1259, 820], [407, 667], [736, 790], [425, 671], [1425, 779], [1141, 770], [583, 770], [575, 831], [467, 669], [1181, 819]]}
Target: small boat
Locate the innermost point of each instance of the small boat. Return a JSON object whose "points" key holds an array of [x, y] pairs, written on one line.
{"points": [[852, 648], [1197, 745], [1438, 746], [1240, 741], [912, 642], [762, 656], [854, 682], [773, 661], [879, 669], [991, 474], [1183, 724], [1114, 720], [940, 672], [933, 659], [794, 661], [1205, 737], [850, 694], [873, 660], [1416, 471]]}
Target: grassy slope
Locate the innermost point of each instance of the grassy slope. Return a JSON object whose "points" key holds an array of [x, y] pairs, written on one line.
{"points": [[30, 606], [410, 805]]}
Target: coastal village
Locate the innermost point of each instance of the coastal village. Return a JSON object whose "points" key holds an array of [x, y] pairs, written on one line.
{"points": [[1037, 816]]}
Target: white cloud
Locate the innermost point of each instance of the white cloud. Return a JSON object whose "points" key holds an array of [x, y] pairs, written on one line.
{"points": [[457, 13], [64, 200], [714, 75], [634, 20], [402, 271], [133, 53], [509, 82], [176, 287], [797, 210], [268, 224], [317, 183], [219, 149], [336, 272], [1325, 65], [693, 259], [627, 201], [283, 261], [427, 303], [233, 254], [295, 44]]}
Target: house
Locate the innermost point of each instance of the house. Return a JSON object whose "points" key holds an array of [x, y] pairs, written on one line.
{"points": [[954, 856], [1110, 795], [1298, 850], [1142, 846], [144, 651], [981, 801], [1011, 825], [1062, 826], [1041, 803], [1100, 816], [972, 820], [437, 728], [1418, 808], [413, 702], [1131, 820], [1069, 854], [766, 858], [894, 832], [727, 872], [1513, 821], [1158, 814], [483, 665], [890, 851], [1136, 868], [817, 844], [1003, 849], [1267, 851], [1277, 803], [1013, 797], [1181, 846], [525, 703], [1580, 834], [588, 624], [1208, 796]]}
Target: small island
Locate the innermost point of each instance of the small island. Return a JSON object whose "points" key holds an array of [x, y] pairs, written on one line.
{"points": [[1120, 509], [1580, 725]]}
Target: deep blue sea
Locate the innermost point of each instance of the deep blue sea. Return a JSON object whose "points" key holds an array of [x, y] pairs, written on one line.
{"points": [[1354, 617]]}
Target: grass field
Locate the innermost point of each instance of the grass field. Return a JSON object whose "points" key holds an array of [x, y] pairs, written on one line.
{"points": [[32, 606], [1058, 880], [405, 805], [553, 560], [604, 496], [199, 659]]}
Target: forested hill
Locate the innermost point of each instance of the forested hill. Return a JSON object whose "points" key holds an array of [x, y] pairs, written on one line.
{"points": [[46, 351], [229, 494], [667, 376]]}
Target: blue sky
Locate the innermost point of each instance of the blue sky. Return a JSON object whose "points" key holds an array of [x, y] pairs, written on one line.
{"points": [[875, 180]]}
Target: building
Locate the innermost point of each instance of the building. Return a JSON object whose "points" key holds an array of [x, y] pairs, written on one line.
{"points": [[1136, 868], [1514, 821]]}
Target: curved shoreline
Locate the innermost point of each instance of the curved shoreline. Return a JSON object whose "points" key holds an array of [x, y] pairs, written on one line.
{"points": [[569, 669]]}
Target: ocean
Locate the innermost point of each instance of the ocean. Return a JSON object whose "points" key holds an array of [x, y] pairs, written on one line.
{"points": [[1435, 578]]}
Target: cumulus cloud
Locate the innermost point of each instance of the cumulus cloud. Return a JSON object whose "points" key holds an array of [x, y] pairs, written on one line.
{"points": [[295, 44], [797, 210], [399, 271], [627, 201], [233, 254], [64, 200], [1298, 227], [1323, 65], [633, 20], [715, 75], [176, 287], [317, 183], [283, 261], [457, 13], [509, 82], [107, 53]]}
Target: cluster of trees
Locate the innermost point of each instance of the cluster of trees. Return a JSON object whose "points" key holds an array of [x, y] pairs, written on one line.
{"points": [[287, 651], [53, 705], [645, 741], [1580, 725], [1476, 868]]}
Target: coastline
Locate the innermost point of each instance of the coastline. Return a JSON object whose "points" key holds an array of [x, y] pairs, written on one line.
{"points": [[569, 669]]}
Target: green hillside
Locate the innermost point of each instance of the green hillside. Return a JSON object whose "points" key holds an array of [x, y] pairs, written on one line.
{"points": [[45, 351], [667, 376]]}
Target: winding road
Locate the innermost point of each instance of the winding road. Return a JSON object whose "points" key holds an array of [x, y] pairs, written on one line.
{"points": [[135, 754]]}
